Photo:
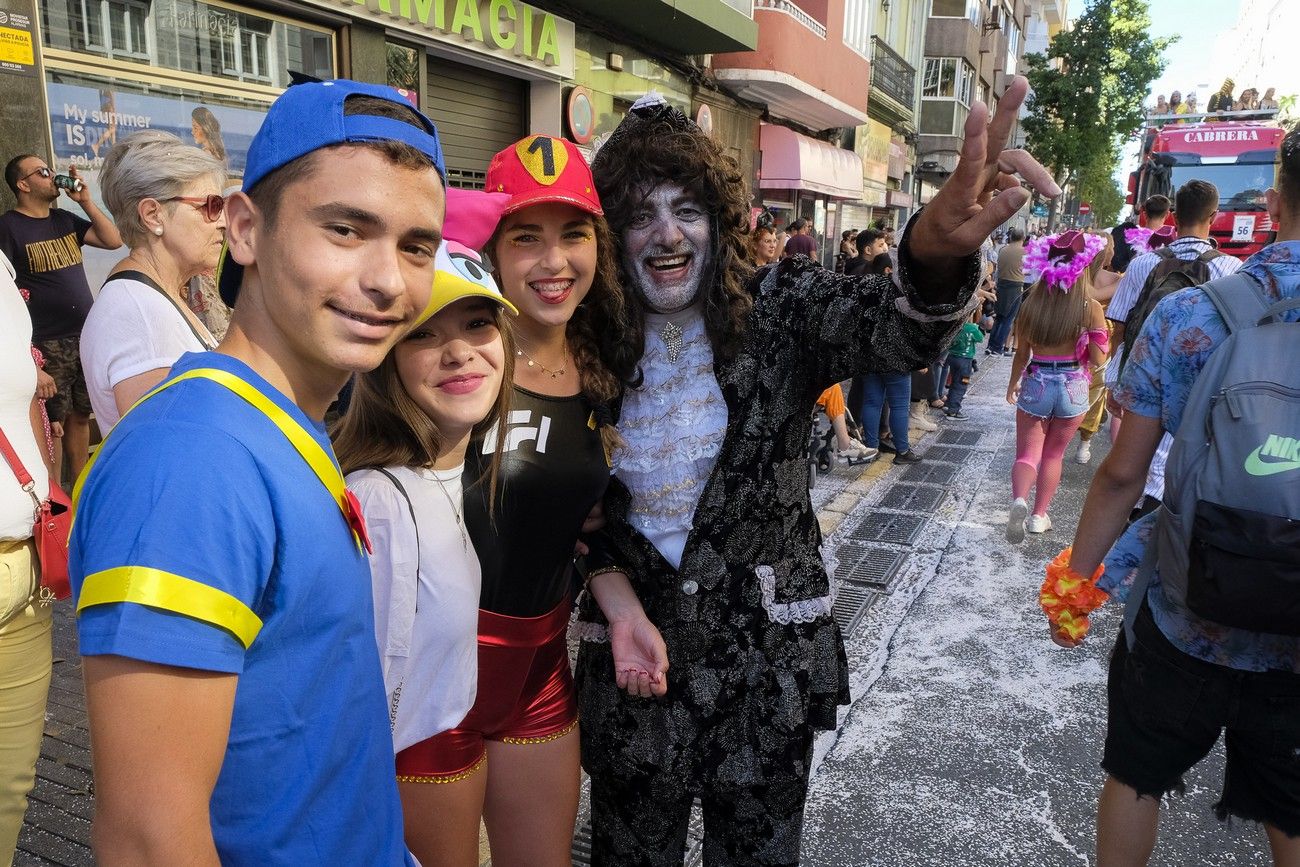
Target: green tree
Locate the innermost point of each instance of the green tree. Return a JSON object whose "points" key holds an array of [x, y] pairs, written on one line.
{"points": [[1088, 92], [1097, 187]]}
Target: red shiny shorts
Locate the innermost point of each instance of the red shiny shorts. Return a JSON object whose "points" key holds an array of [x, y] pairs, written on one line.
{"points": [[525, 696]]}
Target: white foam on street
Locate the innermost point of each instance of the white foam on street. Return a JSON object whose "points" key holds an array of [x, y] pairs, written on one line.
{"points": [[973, 739]]}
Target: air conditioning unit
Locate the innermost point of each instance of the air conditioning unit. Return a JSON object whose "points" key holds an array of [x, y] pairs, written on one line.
{"points": [[994, 21]]}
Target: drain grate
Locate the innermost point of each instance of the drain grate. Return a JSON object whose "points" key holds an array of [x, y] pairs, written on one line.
{"points": [[850, 604], [863, 563], [581, 851], [889, 527], [912, 497], [950, 454], [935, 474], [960, 437]]}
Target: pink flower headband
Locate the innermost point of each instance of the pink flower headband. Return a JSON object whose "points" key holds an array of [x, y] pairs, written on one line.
{"points": [[1060, 259], [1144, 240]]}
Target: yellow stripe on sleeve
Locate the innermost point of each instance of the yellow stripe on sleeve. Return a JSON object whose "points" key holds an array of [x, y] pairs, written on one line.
{"points": [[168, 592]]}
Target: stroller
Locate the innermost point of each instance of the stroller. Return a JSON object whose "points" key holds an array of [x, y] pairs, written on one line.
{"points": [[821, 444]]}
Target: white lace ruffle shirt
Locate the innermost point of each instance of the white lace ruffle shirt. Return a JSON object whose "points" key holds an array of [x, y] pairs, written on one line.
{"points": [[673, 425]]}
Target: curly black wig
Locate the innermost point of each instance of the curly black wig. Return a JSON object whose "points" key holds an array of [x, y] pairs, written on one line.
{"points": [[659, 144]]}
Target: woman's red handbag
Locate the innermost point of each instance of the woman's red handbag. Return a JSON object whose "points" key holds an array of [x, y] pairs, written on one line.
{"points": [[51, 529]]}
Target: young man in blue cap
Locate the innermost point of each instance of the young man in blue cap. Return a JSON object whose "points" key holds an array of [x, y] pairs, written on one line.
{"points": [[223, 595]]}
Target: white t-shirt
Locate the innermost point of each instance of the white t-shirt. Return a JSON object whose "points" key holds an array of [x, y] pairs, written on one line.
{"points": [[133, 327], [426, 628], [17, 387]]}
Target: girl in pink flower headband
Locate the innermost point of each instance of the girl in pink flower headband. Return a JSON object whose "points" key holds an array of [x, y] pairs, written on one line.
{"points": [[1060, 336], [1060, 259]]}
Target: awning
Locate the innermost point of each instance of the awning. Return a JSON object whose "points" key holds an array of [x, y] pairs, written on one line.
{"points": [[899, 199], [797, 162]]}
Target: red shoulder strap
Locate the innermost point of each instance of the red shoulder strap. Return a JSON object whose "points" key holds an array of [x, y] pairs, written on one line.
{"points": [[11, 458]]}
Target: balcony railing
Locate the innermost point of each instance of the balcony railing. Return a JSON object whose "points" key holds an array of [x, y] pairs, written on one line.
{"points": [[792, 9], [891, 74]]}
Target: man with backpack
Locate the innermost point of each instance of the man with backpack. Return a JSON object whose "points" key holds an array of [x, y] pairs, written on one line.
{"points": [[1212, 630], [1189, 260]]}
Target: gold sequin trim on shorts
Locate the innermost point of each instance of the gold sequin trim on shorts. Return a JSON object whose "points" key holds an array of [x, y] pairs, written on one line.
{"points": [[446, 778], [545, 739]]}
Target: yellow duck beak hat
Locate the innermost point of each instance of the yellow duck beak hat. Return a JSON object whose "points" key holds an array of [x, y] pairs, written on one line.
{"points": [[460, 273]]}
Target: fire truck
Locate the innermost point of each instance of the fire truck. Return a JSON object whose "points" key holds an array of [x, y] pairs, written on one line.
{"points": [[1235, 151]]}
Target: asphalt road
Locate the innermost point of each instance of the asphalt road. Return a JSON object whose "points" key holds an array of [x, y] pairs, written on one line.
{"points": [[973, 739]]}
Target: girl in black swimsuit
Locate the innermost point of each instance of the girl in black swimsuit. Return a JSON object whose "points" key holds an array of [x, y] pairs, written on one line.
{"points": [[553, 256]]}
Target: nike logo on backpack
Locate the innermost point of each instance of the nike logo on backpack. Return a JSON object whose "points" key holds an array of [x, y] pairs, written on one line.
{"points": [[1286, 448]]}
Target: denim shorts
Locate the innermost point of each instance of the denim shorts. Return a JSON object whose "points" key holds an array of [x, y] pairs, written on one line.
{"points": [[1048, 392]]}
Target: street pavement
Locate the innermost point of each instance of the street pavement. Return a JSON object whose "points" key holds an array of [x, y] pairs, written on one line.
{"points": [[972, 739]]}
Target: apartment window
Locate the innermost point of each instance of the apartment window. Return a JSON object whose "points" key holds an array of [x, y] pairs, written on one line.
{"points": [[1013, 40], [947, 88], [857, 26], [247, 54], [968, 9], [115, 28]]}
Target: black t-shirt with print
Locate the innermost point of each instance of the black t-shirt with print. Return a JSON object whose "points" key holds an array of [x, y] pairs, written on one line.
{"points": [[46, 253], [553, 471]]}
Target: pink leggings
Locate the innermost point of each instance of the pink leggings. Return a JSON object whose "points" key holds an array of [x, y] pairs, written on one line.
{"points": [[1040, 450]]}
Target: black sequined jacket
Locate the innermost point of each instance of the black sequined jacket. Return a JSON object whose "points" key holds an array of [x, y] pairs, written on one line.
{"points": [[747, 616]]}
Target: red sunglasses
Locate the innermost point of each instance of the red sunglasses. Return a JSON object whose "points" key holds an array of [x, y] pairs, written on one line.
{"points": [[211, 206]]}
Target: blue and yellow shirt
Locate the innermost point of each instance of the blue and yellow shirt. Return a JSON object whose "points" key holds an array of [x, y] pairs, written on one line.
{"points": [[204, 540]]}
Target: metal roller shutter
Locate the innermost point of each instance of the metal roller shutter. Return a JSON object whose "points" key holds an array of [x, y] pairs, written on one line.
{"points": [[478, 113]]}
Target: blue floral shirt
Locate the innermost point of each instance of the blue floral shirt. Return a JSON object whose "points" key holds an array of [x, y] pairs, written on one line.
{"points": [[1176, 341]]}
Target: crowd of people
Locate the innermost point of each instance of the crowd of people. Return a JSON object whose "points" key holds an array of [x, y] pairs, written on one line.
{"points": [[584, 360], [1220, 103], [590, 387]]}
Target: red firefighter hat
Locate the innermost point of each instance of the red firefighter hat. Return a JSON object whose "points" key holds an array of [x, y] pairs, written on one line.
{"points": [[540, 169]]}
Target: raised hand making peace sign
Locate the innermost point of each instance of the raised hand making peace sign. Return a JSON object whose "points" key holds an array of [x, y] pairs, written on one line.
{"points": [[984, 191]]}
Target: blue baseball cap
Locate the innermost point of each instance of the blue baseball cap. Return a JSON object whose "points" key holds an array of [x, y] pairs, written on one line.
{"points": [[309, 116]]}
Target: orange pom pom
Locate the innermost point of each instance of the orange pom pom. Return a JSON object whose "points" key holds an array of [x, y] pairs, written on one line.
{"points": [[1067, 597]]}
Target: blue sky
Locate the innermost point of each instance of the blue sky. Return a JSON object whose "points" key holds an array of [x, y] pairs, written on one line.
{"points": [[1198, 24]]}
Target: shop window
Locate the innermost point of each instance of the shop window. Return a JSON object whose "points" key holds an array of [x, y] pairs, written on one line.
{"points": [[403, 67], [190, 36]]}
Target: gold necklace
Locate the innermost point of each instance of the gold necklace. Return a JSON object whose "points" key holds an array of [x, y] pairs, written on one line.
{"points": [[459, 513], [520, 352]]}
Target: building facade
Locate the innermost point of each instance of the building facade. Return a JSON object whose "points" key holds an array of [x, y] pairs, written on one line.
{"points": [[887, 141], [811, 70], [86, 73], [1046, 19], [972, 50], [627, 48]]}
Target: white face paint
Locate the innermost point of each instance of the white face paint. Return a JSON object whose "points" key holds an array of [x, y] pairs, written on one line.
{"points": [[668, 247]]}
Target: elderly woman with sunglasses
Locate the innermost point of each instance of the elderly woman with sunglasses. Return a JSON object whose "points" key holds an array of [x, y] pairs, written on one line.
{"points": [[165, 197]]}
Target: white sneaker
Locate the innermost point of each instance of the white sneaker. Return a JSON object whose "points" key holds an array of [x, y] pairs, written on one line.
{"points": [[1038, 524], [1084, 454], [1016, 521], [918, 418], [855, 452]]}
